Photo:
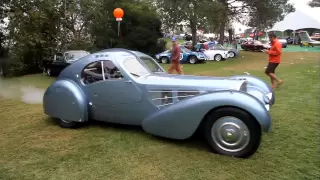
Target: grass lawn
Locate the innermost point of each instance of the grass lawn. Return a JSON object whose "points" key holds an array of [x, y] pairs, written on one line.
{"points": [[33, 147]]}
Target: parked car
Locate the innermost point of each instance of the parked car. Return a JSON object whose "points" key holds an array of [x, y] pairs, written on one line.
{"points": [[187, 37], [129, 87], [254, 45], [186, 56], [54, 66], [232, 53], [212, 54], [283, 42]]}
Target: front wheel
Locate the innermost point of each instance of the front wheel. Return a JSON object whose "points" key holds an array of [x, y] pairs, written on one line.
{"points": [[164, 60], [231, 54], [232, 132]]}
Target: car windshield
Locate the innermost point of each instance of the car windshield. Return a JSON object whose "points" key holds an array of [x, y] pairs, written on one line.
{"points": [[74, 55], [138, 69], [152, 65], [216, 46]]}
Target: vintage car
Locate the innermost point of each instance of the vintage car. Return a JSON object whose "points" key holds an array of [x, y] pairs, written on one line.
{"points": [[54, 65], [232, 52], [254, 45], [129, 87], [186, 56], [283, 42], [212, 54]]}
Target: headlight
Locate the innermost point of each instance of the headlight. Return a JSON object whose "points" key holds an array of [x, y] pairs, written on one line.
{"points": [[267, 98], [157, 56]]}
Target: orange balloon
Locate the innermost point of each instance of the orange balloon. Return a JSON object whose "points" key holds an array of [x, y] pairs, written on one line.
{"points": [[118, 13]]}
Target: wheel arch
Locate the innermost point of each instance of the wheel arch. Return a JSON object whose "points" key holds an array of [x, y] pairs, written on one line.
{"points": [[64, 99], [205, 117]]}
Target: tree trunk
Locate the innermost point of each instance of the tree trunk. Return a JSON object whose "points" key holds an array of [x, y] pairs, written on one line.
{"points": [[193, 26], [221, 33]]}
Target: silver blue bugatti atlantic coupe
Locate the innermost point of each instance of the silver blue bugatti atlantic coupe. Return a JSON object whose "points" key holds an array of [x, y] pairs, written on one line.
{"points": [[129, 87]]}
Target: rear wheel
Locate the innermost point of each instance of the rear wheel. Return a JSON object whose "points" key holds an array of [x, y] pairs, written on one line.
{"points": [[67, 124], [193, 60], [217, 57], [232, 132]]}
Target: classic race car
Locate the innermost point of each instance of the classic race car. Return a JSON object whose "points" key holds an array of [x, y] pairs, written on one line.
{"points": [[254, 46], [129, 87], [186, 56], [212, 54], [232, 53]]}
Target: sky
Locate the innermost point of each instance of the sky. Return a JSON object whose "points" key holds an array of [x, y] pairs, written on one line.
{"points": [[298, 4]]}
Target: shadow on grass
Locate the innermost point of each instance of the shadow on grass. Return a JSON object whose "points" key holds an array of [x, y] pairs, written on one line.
{"points": [[196, 141]]}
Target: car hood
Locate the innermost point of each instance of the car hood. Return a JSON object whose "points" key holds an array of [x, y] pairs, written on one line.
{"points": [[203, 83]]}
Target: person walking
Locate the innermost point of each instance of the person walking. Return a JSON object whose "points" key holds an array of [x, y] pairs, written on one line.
{"points": [[274, 53], [175, 58]]}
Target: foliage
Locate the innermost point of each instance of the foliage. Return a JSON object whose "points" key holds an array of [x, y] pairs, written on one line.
{"points": [[314, 3], [265, 13], [39, 28]]}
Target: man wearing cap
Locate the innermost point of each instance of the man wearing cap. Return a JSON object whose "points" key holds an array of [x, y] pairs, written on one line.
{"points": [[175, 58], [274, 60]]}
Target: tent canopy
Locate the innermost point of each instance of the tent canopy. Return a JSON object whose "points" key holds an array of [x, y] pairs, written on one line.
{"points": [[302, 18]]}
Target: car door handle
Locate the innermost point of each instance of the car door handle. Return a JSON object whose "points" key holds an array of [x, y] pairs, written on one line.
{"points": [[128, 81]]}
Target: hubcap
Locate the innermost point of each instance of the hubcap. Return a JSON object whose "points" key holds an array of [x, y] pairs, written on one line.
{"points": [[164, 60], [192, 60], [218, 57], [230, 134], [231, 54], [65, 121], [48, 71]]}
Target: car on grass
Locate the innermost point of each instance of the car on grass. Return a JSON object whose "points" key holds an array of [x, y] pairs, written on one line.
{"points": [[61, 60], [232, 52], [212, 54], [186, 56], [129, 87], [254, 45]]}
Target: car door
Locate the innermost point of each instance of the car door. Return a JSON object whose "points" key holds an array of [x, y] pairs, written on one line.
{"points": [[111, 94]]}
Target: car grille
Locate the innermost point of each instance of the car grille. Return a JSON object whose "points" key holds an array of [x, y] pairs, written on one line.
{"points": [[163, 98]]}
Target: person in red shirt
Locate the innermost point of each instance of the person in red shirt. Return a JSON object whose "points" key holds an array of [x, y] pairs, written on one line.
{"points": [[175, 58], [274, 53]]}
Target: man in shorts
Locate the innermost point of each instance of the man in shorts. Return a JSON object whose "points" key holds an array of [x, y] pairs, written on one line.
{"points": [[274, 53], [175, 58]]}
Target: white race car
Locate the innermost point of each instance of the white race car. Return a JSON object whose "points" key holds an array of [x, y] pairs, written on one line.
{"points": [[212, 54]]}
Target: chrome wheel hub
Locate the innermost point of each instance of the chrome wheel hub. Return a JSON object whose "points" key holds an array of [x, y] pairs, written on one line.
{"points": [[65, 121], [230, 134], [218, 58], [192, 60], [231, 54], [164, 60]]}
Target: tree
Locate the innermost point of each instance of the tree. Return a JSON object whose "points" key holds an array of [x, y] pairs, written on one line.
{"points": [[265, 13], [314, 3]]}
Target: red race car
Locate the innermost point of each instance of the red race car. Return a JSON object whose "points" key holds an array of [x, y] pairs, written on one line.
{"points": [[254, 46]]}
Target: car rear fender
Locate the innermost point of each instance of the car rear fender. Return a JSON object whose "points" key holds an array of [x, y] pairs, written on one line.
{"points": [[64, 99], [181, 120]]}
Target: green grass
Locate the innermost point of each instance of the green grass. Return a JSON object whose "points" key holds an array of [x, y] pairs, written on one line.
{"points": [[33, 147]]}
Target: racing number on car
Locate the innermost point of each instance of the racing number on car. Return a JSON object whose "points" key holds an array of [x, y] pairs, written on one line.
{"points": [[181, 56]]}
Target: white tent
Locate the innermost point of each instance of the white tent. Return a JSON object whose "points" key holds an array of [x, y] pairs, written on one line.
{"points": [[303, 17]]}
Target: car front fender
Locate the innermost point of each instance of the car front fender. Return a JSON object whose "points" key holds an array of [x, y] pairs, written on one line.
{"points": [[257, 84], [181, 120]]}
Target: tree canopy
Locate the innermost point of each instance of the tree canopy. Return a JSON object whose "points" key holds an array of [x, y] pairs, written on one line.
{"points": [[314, 3]]}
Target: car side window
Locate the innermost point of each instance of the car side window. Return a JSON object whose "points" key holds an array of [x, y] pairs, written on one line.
{"points": [[98, 71]]}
